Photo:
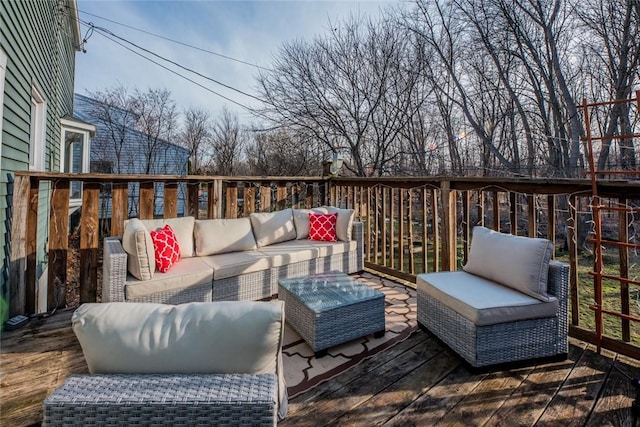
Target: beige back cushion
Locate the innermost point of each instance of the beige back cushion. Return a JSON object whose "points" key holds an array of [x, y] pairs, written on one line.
{"points": [[137, 243], [344, 224], [219, 236], [273, 227], [522, 263], [182, 227], [221, 337], [301, 221]]}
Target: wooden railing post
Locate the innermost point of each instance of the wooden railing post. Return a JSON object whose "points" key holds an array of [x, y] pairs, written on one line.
{"points": [[449, 212], [193, 199], [58, 244], [265, 197], [572, 236], [532, 215], [119, 208], [214, 199], [623, 251], [232, 200], [147, 200], [249, 205], [89, 242], [19, 292], [170, 199]]}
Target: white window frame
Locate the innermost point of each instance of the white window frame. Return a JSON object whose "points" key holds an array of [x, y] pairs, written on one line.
{"points": [[38, 130], [88, 131], [3, 72]]}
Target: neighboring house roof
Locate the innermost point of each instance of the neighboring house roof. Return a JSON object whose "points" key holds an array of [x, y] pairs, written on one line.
{"points": [[82, 108]]}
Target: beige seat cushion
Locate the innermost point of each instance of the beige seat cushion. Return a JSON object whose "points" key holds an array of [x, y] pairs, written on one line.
{"points": [[219, 236], [332, 248], [183, 229], [344, 224], [216, 337], [301, 221], [521, 263], [184, 274], [137, 243], [273, 227], [482, 301], [289, 252], [237, 263]]}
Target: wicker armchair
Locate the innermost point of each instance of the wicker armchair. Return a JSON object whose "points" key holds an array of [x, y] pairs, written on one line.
{"points": [[489, 331]]}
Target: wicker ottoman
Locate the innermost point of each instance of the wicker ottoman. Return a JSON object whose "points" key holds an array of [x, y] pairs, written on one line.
{"points": [[331, 308], [164, 400]]}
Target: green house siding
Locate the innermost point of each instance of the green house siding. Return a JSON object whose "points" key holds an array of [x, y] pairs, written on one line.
{"points": [[40, 40]]}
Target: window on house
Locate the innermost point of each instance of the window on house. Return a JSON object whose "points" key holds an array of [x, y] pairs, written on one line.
{"points": [[37, 136], [74, 151]]}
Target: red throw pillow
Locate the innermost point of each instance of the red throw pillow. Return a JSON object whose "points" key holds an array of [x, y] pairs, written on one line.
{"points": [[322, 227], [166, 249]]}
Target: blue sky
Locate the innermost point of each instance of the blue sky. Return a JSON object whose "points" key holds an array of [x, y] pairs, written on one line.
{"points": [[250, 31]]}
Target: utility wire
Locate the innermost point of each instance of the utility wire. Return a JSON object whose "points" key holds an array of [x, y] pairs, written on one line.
{"points": [[175, 72], [176, 41], [104, 31]]}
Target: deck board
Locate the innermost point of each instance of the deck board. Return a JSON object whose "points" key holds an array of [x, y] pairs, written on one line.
{"points": [[417, 382]]}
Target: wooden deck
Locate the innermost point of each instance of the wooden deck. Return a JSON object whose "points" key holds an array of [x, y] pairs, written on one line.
{"points": [[417, 382]]}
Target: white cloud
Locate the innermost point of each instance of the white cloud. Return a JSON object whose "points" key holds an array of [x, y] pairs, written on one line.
{"points": [[250, 31]]}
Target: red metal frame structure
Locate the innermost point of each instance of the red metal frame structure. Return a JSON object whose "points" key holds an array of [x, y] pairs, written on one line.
{"points": [[597, 208]]}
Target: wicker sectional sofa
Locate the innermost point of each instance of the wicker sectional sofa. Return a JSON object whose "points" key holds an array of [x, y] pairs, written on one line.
{"points": [[197, 364], [508, 304], [227, 259]]}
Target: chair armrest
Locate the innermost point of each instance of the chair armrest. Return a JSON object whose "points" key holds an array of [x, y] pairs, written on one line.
{"points": [[558, 282], [357, 234], [114, 270]]}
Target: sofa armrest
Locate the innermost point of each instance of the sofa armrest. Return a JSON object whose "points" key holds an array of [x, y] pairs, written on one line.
{"points": [[357, 234], [114, 270], [558, 286]]}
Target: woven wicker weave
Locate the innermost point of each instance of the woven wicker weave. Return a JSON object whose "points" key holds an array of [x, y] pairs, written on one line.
{"points": [[331, 308], [164, 400], [503, 342]]}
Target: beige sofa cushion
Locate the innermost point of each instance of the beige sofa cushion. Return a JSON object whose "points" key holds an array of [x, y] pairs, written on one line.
{"points": [[521, 263], [344, 225], [285, 253], [182, 227], [482, 301], [137, 243], [219, 337], [184, 274], [301, 221], [332, 248], [237, 263], [219, 236], [273, 227]]}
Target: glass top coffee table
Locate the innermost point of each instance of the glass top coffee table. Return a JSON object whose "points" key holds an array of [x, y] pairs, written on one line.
{"points": [[331, 308]]}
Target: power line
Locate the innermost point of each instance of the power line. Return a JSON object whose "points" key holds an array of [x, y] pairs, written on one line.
{"points": [[177, 41], [106, 31], [176, 73]]}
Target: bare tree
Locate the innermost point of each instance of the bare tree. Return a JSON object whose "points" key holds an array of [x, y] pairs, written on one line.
{"points": [[114, 112], [227, 143], [156, 120], [196, 137], [612, 56], [353, 90], [281, 153]]}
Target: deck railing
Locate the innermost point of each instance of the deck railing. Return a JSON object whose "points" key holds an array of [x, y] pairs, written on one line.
{"points": [[412, 225]]}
